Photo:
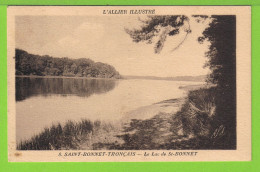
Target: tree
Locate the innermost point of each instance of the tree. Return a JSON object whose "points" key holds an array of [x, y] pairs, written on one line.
{"points": [[161, 27], [221, 33]]}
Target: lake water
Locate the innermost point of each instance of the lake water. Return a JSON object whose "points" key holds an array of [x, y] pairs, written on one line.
{"points": [[41, 102]]}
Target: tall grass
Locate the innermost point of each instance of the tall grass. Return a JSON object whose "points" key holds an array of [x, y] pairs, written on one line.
{"points": [[198, 124], [57, 137], [197, 112], [84, 134]]}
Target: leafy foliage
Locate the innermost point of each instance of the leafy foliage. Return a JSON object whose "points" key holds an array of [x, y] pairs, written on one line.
{"points": [[29, 64], [221, 33], [160, 27]]}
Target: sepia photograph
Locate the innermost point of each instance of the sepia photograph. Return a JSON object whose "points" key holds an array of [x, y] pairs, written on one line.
{"points": [[128, 79]]}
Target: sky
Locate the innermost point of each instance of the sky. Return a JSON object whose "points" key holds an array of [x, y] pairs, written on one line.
{"points": [[103, 39]]}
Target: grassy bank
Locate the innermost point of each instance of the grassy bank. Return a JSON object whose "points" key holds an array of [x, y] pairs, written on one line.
{"points": [[59, 137], [71, 135]]}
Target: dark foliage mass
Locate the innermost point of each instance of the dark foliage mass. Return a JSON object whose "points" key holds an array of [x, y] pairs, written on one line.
{"points": [[199, 120], [29, 64], [221, 33]]}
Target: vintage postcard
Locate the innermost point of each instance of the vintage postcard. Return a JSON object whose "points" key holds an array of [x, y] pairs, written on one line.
{"points": [[129, 83]]}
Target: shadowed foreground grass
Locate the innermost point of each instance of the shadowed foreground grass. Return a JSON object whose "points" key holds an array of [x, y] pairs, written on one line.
{"points": [[204, 121]]}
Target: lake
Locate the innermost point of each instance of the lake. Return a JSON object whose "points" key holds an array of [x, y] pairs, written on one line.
{"points": [[41, 102]]}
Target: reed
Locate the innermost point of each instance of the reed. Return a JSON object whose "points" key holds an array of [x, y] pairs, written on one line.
{"points": [[59, 137], [198, 124]]}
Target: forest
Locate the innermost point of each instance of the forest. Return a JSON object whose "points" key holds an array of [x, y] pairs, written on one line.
{"points": [[30, 64]]}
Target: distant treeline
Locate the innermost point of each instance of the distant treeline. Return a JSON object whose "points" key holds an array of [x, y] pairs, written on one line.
{"points": [[30, 64], [200, 78]]}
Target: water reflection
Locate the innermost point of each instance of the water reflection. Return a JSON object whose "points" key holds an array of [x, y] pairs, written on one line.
{"points": [[27, 87]]}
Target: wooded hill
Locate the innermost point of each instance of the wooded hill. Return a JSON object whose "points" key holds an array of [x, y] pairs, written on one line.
{"points": [[30, 64]]}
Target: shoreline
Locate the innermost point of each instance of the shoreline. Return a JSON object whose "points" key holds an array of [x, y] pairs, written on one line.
{"points": [[63, 77], [170, 106], [80, 77]]}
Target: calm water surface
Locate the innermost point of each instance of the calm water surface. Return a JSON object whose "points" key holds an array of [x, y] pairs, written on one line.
{"points": [[41, 102]]}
